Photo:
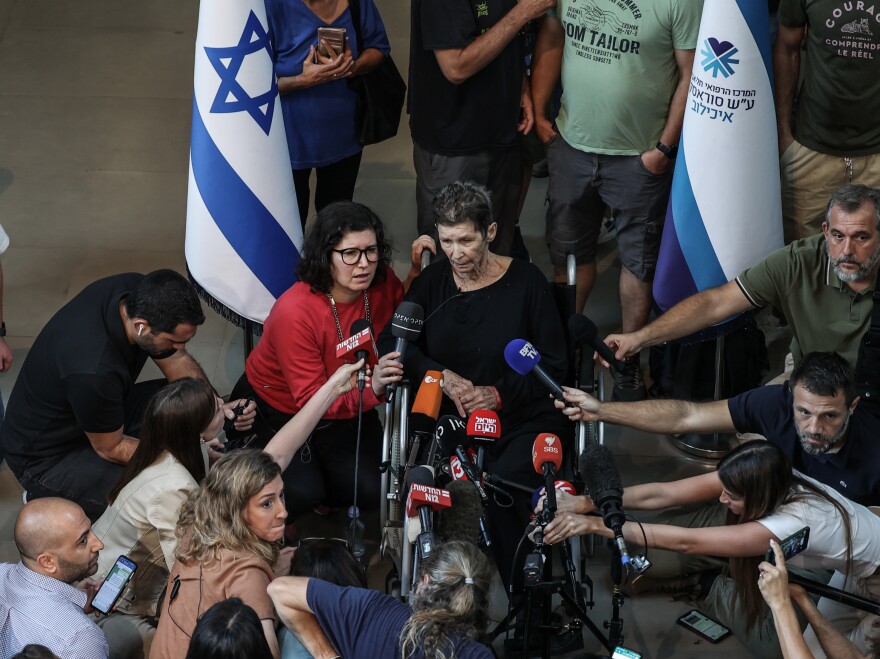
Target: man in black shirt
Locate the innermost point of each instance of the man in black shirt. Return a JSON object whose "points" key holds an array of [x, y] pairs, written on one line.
{"points": [[75, 410], [468, 97]]}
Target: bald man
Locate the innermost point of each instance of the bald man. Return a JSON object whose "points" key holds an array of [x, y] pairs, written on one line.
{"points": [[38, 603]]}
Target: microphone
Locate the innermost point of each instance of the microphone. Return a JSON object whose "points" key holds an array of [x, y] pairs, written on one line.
{"points": [[461, 522], [426, 406], [483, 429], [423, 416], [524, 358], [584, 331], [422, 500], [605, 489], [359, 345], [547, 459], [406, 326]]}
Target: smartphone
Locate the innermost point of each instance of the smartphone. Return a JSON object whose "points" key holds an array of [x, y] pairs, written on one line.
{"points": [[335, 38], [791, 546], [113, 586], [701, 624], [621, 652]]}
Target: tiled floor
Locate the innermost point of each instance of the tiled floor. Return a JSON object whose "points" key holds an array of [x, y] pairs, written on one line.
{"points": [[95, 101]]}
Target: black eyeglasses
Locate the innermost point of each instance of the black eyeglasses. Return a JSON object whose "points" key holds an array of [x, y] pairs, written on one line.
{"points": [[352, 255]]}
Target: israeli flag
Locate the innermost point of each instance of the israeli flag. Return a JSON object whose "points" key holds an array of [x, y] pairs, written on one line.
{"points": [[724, 210], [243, 232]]}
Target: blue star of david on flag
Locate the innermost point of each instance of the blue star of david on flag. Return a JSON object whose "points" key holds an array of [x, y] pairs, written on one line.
{"points": [[227, 62], [718, 57]]}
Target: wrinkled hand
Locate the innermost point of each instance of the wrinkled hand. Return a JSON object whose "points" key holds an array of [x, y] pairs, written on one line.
{"points": [[5, 355], [544, 129], [773, 579], [454, 387], [567, 525], [586, 407], [282, 564], [388, 370], [568, 503], [420, 244], [243, 421], [481, 398], [623, 346], [327, 69]]}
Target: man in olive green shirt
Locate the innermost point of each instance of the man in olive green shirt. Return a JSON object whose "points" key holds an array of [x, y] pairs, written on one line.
{"points": [[823, 286]]}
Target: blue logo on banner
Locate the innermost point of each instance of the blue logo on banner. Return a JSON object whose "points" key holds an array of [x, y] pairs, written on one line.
{"points": [[718, 57], [231, 96]]}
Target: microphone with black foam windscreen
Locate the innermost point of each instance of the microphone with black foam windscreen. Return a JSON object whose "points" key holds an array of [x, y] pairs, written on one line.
{"points": [[605, 489], [524, 358], [483, 430], [584, 331], [406, 326], [546, 460], [461, 521], [423, 500]]}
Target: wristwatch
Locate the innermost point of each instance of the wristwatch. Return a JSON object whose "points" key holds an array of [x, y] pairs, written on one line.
{"points": [[668, 151]]}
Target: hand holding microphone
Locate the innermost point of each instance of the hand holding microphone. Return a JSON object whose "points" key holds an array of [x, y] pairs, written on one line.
{"points": [[406, 326], [584, 331], [578, 405], [359, 345], [524, 358]]}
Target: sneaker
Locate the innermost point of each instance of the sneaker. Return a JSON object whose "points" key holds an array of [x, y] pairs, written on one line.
{"points": [[628, 384], [608, 230]]}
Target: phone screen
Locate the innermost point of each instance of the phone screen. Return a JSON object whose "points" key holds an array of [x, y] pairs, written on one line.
{"points": [[705, 626], [621, 652], [113, 585], [791, 546]]}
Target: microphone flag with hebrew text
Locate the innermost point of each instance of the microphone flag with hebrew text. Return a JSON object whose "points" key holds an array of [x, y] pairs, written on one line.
{"points": [[243, 232], [724, 212]]}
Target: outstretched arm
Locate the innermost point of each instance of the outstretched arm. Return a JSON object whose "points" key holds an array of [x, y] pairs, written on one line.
{"points": [[295, 432], [289, 596], [662, 416], [692, 314]]}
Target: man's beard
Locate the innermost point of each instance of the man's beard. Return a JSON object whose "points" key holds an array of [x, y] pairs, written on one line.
{"points": [[73, 572], [826, 443], [866, 268]]}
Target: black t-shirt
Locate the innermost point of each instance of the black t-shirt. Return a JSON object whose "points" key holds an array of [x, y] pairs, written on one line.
{"points": [[852, 471], [75, 377], [483, 111]]}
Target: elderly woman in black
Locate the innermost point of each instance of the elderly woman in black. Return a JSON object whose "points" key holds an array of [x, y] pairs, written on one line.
{"points": [[475, 303]]}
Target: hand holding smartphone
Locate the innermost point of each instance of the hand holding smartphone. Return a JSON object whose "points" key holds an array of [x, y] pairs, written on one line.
{"points": [[791, 546], [331, 42], [114, 585]]}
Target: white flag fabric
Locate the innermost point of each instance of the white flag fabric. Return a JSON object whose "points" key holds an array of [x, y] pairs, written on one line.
{"points": [[243, 232], [725, 207]]}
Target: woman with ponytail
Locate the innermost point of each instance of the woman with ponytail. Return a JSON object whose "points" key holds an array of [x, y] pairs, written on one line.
{"points": [[766, 501], [448, 617]]}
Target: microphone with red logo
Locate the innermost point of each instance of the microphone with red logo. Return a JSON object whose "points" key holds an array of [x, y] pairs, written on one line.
{"points": [[524, 358], [483, 430], [359, 345], [547, 459], [406, 326], [423, 500]]}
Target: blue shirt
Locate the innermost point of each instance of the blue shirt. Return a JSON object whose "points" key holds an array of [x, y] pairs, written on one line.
{"points": [[364, 624], [320, 120], [38, 609], [852, 471]]}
